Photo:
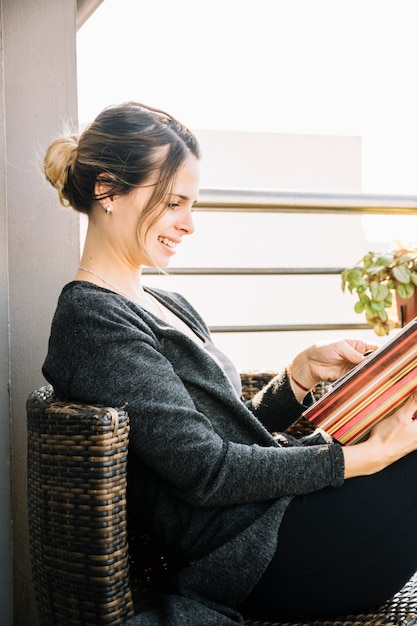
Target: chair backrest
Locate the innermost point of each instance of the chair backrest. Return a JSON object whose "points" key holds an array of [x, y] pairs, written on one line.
{"points": [[77, 461], [89, 567]]}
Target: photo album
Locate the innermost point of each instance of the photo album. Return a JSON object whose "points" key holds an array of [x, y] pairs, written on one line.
{"points": [[370, 391]]}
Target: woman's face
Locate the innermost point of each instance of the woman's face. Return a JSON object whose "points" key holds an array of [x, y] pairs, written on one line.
{"points": [[163, 236]]}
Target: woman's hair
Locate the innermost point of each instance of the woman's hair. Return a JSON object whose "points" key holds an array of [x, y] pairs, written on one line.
{"points": [[121, 149]]}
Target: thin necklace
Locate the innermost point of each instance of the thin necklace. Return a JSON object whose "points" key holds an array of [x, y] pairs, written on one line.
{"points": [[160, 313]]}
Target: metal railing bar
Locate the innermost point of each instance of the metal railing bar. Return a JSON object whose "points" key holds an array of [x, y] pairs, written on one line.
{"points": [[249, 200], [244, 200], [274, 328], [247, 271]]}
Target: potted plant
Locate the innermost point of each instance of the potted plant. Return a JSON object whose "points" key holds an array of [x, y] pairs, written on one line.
{"points": [[383, 281]]}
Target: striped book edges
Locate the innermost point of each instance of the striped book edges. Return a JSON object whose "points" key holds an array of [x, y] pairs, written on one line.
{"points": [[369, 392]]}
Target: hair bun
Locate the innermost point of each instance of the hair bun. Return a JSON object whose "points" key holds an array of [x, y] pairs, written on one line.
{"points": [[59, 159]]}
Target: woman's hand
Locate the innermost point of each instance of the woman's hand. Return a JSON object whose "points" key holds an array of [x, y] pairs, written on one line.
{"points": [[327, 361], [390, 440]]}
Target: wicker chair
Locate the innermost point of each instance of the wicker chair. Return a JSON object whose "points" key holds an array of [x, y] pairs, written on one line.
{"points": [[88, 567]]}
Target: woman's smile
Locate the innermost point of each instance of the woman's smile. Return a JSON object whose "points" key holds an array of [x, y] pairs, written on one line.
{"points": [[168, 242]]}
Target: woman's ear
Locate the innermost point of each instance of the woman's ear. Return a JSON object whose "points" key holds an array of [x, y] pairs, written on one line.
{"points": [[102, 189]]}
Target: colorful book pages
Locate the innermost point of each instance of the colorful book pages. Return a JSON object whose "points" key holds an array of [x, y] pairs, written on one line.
{"points": [[370, 391]]}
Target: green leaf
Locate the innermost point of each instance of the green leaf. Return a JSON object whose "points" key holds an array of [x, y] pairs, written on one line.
{"points": [[377, 309], [402, 273], [352, 277], [405, 291], [376, 269], [379, 292], [382, 329]]}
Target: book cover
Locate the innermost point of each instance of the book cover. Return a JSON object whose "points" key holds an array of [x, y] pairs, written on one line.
{"points": [[370, 391]]}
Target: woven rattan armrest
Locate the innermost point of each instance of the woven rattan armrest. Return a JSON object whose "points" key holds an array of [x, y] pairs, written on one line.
{"points": [[77, 460]]}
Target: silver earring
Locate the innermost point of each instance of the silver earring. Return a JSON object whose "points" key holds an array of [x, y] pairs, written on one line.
{"points": [[108, 209]]}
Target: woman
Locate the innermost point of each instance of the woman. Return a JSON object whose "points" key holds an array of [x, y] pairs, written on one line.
{"points": [[228, 501]]}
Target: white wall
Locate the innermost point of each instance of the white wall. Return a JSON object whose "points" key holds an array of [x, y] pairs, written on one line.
{"points": [[243, 160]]}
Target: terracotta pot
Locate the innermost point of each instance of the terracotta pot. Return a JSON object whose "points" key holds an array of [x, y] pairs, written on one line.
{"points": [[407, 309]]}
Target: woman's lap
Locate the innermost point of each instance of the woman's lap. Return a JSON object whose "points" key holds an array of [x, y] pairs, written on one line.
{"points": [[344, 550]]}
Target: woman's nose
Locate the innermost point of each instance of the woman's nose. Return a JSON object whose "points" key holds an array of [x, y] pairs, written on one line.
{"points": [[186, 222]]}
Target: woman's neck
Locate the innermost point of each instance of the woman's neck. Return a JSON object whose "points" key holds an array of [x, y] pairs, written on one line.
{"points": [[121, 281], [103, 265]]}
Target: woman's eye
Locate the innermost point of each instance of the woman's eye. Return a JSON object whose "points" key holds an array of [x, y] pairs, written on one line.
{"points": [[173, 205]]}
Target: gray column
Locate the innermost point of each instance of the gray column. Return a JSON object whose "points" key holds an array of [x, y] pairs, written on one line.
{"points": [[38, 251]]}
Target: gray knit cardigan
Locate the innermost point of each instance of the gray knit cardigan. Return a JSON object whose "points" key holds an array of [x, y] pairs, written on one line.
{"points": [[205, 472]]}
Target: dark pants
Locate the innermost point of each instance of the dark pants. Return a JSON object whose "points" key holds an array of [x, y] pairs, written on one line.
{"points": [[343, 551]]}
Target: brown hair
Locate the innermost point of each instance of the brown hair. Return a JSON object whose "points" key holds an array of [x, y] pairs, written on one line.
{"points": [[119, 148]]}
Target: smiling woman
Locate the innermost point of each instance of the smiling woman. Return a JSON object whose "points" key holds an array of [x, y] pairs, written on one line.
{"points": [[208, 473]]}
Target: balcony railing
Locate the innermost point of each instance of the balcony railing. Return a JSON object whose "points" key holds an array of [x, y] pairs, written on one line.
{"points": [[243, 201], [300, 202]]}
